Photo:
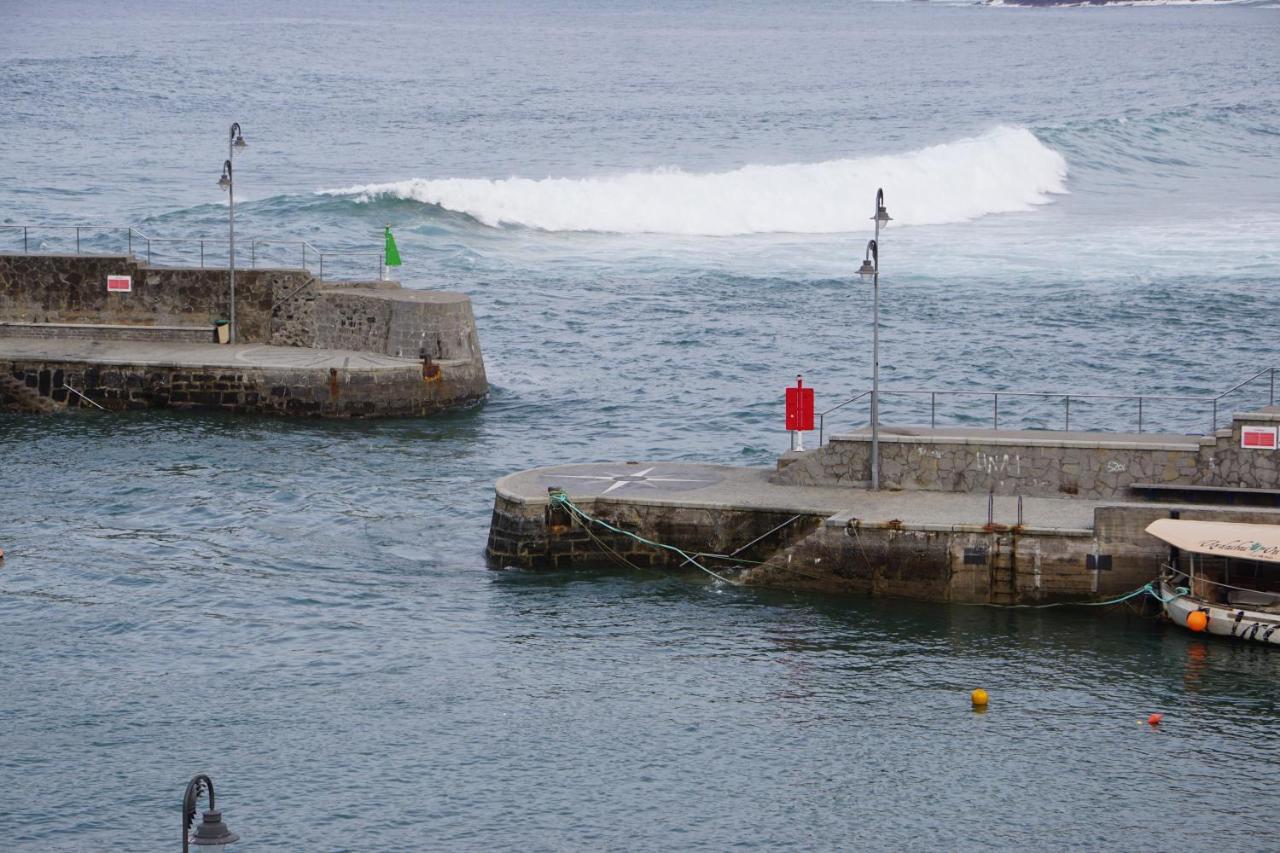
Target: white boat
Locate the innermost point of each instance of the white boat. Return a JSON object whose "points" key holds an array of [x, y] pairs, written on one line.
{"points": [[1229, 572]]}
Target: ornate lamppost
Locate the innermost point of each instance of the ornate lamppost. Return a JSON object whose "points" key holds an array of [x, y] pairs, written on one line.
{"points": [[227, 182], [871, 269], [211, 831]]}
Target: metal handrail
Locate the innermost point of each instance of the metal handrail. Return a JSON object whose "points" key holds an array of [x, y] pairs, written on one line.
{"points": [[132, 233], [822, 416], [1066, 397]]}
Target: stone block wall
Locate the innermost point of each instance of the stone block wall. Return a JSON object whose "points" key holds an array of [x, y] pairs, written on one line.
{"points": [[536, 536], [393, 321], [1042, 464], [1000, 566], [364, 392], [72, 289]]}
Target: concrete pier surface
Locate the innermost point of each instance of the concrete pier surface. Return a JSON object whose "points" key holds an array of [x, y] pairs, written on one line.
{"points": [[725, 488], [194, 355], [988, 516]]}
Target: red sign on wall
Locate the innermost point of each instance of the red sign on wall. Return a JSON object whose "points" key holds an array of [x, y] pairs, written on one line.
{"points": [[119, 284], [799, 407], [1258, 438]]}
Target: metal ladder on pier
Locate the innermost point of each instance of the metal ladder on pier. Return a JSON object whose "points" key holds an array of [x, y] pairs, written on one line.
{"points": [[17, 395], [1004, 569]]}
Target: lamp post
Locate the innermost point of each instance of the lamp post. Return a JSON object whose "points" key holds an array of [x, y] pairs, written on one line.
{"points": [[871, 268], [211, 831], [227, 182]]}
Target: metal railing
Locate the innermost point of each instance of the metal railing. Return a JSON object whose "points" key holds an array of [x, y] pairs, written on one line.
{"points": [[100, 239], [1142, 401]]}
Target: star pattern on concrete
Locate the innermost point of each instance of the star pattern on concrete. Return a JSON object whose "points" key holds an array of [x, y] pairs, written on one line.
{"points": [[639, 478]]}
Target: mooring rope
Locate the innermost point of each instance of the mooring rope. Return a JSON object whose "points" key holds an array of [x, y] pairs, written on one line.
{"points": [[1146, 589], [585, 517]]}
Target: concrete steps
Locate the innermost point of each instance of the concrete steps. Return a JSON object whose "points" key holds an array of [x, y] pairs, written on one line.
{"points": [[108, 332], [16, 395]]}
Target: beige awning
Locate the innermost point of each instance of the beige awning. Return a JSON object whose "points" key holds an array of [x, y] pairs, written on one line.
{"points": [[1259, 542]]}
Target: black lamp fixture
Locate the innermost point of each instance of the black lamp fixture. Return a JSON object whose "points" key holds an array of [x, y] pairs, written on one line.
{"points": [[211, 832], [882, 216], [871, 261]]}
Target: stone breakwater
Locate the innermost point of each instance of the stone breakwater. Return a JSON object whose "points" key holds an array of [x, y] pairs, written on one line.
{"points": [[246, 379], [974, 538], [305, 347]]}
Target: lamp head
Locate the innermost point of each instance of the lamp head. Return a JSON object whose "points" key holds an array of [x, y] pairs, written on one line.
{"points": [[871, 261], [239, 145], [212, 832], [882, 216], [225, 180]]}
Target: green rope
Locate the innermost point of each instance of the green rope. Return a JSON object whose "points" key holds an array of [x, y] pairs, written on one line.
{"points": [[1145, 589], [561, 498]]}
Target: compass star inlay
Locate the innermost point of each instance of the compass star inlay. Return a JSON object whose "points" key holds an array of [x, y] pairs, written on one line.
{"points": [[639, 478]]}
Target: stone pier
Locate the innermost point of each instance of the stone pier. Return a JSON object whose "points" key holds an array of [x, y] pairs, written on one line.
{"points": [[305, 346], [1004, 517]]}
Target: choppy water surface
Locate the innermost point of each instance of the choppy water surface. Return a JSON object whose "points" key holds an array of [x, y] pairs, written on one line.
{"points": [[656, 211]]}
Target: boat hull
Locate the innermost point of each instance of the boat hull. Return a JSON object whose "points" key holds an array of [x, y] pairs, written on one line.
{"points": [[1224, 621]]}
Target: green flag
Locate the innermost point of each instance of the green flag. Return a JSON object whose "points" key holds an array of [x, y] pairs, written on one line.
{"points": [[393, 254]]}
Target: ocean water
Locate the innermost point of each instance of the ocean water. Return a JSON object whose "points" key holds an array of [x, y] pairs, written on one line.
{"points": [[657, 210]]}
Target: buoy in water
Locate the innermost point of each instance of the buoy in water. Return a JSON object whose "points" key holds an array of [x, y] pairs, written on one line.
{"points": [[1197, 620], [979, 698], [1154, 719]]}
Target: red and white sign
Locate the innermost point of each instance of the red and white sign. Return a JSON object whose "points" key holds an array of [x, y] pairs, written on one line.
{"points": [[1258, 438], [119, 284], [799, 407]]}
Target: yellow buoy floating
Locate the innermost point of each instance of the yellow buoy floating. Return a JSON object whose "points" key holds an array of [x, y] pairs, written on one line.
{"points": [[979, 698]]}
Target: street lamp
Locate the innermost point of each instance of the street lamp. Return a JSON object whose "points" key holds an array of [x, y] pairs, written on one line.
{"points": [[228, 183], [211, 831], [871, 268]]}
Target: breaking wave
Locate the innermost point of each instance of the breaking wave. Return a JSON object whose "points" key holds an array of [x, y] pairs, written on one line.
{"points": [[1004, 170]]}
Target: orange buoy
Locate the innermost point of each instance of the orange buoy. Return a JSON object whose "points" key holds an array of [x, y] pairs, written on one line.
{"points": [[1197, 620], [1155, 719], [979, 698]]}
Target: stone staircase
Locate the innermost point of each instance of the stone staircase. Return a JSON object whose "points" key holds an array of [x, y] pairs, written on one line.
{"points": [[16, 395], [108, 332]]}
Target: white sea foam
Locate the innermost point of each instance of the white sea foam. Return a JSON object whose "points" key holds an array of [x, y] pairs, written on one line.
{"points": [[1004, 170], [1014, 4]]}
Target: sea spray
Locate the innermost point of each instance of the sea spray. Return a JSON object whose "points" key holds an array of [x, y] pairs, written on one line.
{"points": [[1004, 170]]}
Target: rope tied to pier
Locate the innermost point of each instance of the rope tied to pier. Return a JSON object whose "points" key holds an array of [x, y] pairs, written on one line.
{"points": [[586, 520], [1146, 589]]}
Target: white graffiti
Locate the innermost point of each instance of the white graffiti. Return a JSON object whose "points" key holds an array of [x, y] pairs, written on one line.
{"points": [[1001, 464]]}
